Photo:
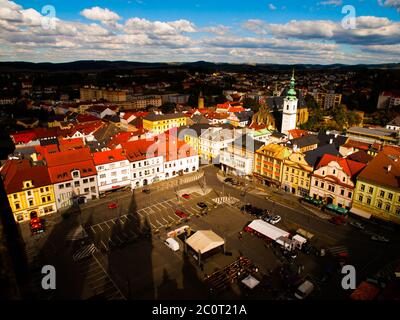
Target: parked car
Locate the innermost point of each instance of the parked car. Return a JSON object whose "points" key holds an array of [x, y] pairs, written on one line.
{"points": [[228, 180], [357, 225], [181, 214], [256, 211], [172, 244], [267, 217], [338, 220], [202, 205], [36, 225], [112, 205], [146, 190], [246, 207], [379, 238], [304, 290], [186, 196], [275, 219]]}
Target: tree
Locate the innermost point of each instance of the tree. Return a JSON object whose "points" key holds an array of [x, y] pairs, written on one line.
{"points": [[310, 102], [168, 107], [252, 104]]}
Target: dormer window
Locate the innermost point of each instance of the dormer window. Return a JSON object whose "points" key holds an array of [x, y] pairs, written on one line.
{"points": [[27, 184], [75, 174]]}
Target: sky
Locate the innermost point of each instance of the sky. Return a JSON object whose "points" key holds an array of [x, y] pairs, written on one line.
{"points": [[251, 31]]}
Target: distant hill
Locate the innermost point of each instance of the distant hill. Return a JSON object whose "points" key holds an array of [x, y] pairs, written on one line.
{"points": [[99, 65]]}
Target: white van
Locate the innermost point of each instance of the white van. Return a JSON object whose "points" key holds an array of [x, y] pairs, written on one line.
{"points": [[304, 290], [172, 244]]}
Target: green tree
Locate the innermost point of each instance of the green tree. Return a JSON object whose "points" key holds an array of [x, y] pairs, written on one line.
{"points": [[251, 104], [168, 107]]}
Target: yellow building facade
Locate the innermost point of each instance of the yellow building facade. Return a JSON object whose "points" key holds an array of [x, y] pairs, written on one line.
{"points": [[296, 176], [159, 123]]}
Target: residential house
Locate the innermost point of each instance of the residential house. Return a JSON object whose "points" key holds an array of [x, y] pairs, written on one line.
{"points": [[334, 180], [304, 143], [29, 189], [113, 170], [73, 175], [296, 177], [238, 157], [159, 123], [377, 191], [268, 164]]}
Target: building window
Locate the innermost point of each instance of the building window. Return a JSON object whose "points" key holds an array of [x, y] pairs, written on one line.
{"points": [[17, 206], [77, 184], [368, 201], [322, 185], [29, 193], [41, 190], [316, 183], [113, 174], [31, 202], [362, 188], [43, 199], [91, 179], [387, 208], [390, 196], [15, 196], [86, 190], [382, 194], [93, 189], [360, 198], [102, 176], [349, 195], [48, 198], [61, 186], [75, 174], [379, 205], [342, 192], [68, 185], [370, 190], [398, 210]]}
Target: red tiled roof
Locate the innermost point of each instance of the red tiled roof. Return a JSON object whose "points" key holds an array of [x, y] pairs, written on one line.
{"points": [[62, 173], [236, 109], [122, 137], [256, 126], [350, 167], [46, 132], [163, 145], [70, 144], [86, 128], [15, 172], [67, 157], [86, 118], [297, 133], [42, 151], [104, 157], [23, 137], [356, 144]]}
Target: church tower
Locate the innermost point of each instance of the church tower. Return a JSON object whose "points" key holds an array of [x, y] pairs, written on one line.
{"points": [[200, 103], [289, 109]]}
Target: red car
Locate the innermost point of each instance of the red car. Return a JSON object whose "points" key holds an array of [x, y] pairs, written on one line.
{"points": [[338, 220], [186, 196], [36, 225], [112, 205], [181, 214]]}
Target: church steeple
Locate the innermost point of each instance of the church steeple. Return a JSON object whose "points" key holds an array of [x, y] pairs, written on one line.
{"points": [[292, 92]]}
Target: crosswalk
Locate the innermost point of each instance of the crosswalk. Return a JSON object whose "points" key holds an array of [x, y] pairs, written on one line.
{"points": [[338, 250], [84, 252], [226, 200]]}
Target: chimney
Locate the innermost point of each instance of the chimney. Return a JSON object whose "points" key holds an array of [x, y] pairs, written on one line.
{"points": [[389, 167]]}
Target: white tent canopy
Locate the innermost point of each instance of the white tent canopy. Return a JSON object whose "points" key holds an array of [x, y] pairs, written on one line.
{"points": [[268, 229], [250, 281], [204, 240]]}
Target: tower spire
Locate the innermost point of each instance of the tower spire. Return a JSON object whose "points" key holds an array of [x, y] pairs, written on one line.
{"points": [[292, 92]]}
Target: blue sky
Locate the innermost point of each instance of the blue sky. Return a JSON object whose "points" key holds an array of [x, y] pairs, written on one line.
{"points": [[293, 31]]}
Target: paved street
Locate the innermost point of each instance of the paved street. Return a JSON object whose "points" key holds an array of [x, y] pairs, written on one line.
{"points": [[123, 255]]}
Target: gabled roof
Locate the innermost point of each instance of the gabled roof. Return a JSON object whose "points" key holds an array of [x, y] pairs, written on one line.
{"points": [[67, 157], [312, 157], [23, 137], [350, 167], [395, 122], [360, 156], [356, 145], [384, 169], [15, 172], [70, 144], [337, 139], [116, 155], [159, 117], [122, 137], [297, 133], [86, 118], [303, 141]]}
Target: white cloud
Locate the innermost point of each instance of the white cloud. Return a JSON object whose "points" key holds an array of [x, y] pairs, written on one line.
{"points": [[335, 3], [100, 14], [390, 3], [272, 7], [219, 29]]}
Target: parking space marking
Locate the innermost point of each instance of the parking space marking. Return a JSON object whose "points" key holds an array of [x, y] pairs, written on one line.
{"points": [[103, 244], [91, 227], [161, 225], [105, 222], [98, 225]]}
